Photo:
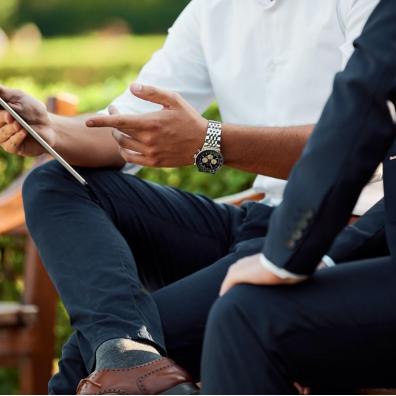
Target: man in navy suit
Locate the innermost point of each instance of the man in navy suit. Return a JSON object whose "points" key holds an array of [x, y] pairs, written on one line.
{"points": [[333, 328]]}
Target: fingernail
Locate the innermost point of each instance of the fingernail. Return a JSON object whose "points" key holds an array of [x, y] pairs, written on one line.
{"points": [[89, 123], [137, 87]]}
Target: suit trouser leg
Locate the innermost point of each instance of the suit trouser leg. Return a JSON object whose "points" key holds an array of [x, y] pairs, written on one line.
{"points": [[184, 321], [336, 330], [105, 245]]}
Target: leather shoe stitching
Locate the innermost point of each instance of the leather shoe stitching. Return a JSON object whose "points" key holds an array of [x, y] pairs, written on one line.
{"points": [[111, 390], [128, 368], [141, 386]]}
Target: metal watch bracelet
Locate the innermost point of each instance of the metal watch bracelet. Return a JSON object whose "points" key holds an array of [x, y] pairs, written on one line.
{"points": [[213, 135]]}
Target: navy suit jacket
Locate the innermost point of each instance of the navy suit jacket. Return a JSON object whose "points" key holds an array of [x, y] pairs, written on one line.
{"points": [[355, 133], [363, 239]]}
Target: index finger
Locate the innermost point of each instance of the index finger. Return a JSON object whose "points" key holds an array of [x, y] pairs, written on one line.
{"points": [[119, 121]]}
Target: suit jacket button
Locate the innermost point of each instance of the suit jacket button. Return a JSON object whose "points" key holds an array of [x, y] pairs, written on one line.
{"points": [[309, 214], [297, 235], [303, 224], [291, 244]]}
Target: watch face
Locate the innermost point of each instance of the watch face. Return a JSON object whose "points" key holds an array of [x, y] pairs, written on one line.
{"points": [[209, 161]]}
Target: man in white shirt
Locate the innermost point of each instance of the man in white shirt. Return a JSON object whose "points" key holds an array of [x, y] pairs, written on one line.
{"points": [[270, 65]]}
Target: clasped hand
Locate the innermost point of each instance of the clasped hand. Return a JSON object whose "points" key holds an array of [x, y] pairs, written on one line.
{"points": [[249, 270], [13, 138], [165, 138]]}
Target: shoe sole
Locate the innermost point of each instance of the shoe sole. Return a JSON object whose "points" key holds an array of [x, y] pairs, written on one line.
{"points": [[182, 389]]}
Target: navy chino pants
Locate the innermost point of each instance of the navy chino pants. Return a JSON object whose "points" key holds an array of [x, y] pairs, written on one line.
{"points": [[133, 259]]}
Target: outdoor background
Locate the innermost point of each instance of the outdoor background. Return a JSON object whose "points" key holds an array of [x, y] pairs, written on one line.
{"points": [[92, 49]]}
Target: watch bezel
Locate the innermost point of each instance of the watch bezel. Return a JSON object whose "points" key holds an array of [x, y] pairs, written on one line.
{"points": [[206, 151]]}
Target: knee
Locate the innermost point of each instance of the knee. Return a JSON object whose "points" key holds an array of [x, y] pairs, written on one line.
{"points": [[45, 186], [226, 310], [46, 176], [246, 309]]}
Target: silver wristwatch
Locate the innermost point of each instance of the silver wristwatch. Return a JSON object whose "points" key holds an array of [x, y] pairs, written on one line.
{"points": [[209, 159]]}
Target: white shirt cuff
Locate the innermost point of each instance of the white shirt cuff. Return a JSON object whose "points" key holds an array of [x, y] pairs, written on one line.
{"points": [[328, 261], [279, 272]]}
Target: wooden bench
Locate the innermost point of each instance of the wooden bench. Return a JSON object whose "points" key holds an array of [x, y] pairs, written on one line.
{"points": [[27, 329]]}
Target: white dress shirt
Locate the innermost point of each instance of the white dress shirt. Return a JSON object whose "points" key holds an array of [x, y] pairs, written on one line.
{"points": [[265, 62]]}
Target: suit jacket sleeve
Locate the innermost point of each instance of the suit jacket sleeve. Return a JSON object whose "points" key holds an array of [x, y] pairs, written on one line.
{"points": [[350, 140]]}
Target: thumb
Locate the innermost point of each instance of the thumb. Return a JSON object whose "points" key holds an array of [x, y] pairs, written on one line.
{"points": [[156, 95]]}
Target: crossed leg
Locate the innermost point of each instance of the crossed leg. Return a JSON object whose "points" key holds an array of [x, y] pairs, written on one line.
{"points": [[107, 246]]}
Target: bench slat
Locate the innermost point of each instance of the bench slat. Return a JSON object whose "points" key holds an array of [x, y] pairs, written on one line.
{"points": [[14, 314]]}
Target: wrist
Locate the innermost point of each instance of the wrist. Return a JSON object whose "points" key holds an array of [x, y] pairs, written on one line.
{"points": [[53, 136], [233, 143]]}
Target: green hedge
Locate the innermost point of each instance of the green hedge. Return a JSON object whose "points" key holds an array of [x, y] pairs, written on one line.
{"points": [[52, 62], [65, 17]]}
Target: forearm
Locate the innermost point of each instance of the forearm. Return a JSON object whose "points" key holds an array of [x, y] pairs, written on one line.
{"points": [[270, 151], [83, 146]]}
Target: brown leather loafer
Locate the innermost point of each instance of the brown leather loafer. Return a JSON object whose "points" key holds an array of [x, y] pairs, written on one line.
{"points": [[161, 376]]}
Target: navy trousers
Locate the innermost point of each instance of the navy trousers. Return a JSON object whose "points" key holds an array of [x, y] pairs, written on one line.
{"points": [[132, 259], [334, 333]]}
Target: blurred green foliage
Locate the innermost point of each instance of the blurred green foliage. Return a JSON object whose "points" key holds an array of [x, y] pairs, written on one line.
{"points": [[8, 381], [81, 61], [53, 17], [8, 11], [71, 65]]}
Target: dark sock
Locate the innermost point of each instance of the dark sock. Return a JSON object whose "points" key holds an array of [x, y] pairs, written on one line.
{"points": [[123, 353]]}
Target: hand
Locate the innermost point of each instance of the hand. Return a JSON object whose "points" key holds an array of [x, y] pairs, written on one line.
{"points": [[302, 390], [166, 138], [13, 138], [250, 270]]}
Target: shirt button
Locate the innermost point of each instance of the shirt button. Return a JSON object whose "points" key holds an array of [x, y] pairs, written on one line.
{"points": [[271, 67], [267, 3]]}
